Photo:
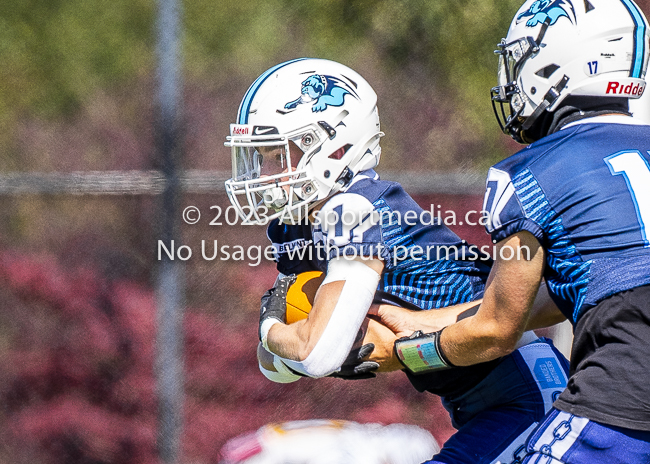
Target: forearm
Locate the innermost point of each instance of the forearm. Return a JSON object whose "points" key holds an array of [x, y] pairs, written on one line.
{"points": [[404, 322], [544, 312], [318, 345], [396, 322], [474, 340], [289, 341], [296, 341], [504, 314], [484, 329], [432, 321]]}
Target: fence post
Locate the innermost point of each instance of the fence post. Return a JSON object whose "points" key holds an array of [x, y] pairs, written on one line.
{"points": [[170, 285]]}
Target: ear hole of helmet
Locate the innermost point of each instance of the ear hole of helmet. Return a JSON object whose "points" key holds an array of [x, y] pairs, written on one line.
{"points": [[547, 71], [338, 154]]}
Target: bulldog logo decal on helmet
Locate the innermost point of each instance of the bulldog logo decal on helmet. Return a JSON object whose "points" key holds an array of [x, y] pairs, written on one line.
{"points": [[323, 91], [542, 10]]}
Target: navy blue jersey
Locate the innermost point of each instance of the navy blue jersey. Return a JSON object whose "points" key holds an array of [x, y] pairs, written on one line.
{"points": [[584, 193], [426, 264]]}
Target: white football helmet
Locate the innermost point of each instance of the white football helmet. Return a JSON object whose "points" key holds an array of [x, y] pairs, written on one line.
{"points": [[304, 129], [557, 48]]}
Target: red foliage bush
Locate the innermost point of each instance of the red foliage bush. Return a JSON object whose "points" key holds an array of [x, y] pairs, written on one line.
{"points": [[77, 380]]}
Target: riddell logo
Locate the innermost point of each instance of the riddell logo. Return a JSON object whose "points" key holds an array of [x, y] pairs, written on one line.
{"points": [[240, 130], [620, 89]]}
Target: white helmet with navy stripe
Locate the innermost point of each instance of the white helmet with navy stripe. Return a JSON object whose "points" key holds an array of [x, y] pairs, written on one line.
{"points": [[304, 129], [557, 48]]}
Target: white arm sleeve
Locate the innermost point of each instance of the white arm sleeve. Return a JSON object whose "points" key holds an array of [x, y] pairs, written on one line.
{"points": [[351, 308]]}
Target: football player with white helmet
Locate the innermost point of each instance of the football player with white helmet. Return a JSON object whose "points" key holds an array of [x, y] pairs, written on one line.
{"points": [[578, 197], [290, 155], [304, 148]]}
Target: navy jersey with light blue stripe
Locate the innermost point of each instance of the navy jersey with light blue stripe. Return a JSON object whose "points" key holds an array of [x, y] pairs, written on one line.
{"points": [[493, 404], [584, 192], [409, 245], [409, 279]]}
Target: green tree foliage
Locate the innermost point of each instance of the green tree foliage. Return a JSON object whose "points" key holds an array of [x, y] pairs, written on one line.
{"points": [[428, 56], [58, 54]]}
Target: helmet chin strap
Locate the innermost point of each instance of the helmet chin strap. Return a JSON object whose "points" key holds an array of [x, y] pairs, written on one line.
{"points": [[575, 108], [549, 100]]}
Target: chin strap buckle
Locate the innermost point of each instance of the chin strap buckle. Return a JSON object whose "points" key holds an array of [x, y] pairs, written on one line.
{"points": [[331, 132], [345, 177], [549, 100]]}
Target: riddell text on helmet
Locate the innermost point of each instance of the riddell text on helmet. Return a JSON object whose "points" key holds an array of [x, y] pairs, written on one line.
{"points": [[622, 89], [239, 129]]}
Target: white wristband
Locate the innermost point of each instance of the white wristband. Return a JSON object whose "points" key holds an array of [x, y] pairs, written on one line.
{"points": [[264, 331]]}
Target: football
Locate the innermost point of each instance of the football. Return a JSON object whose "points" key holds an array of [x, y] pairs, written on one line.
{"points": [[300, 297]]}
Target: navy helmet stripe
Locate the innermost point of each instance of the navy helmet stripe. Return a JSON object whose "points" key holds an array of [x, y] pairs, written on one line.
{"points": [[638, 53], [244, 108]]}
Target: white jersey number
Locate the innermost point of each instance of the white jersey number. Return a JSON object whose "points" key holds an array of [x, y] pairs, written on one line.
{"points": [[634, 167]]}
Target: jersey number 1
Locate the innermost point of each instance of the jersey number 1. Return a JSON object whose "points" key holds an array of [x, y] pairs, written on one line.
{"points": [[634, 167]]}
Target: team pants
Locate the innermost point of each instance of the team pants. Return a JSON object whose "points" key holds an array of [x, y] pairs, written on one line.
{"points": [[497, 415], [564, 438]]}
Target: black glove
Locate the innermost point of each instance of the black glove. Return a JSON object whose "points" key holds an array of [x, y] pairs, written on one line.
{"points": [[354, 368], [274, 302]]}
